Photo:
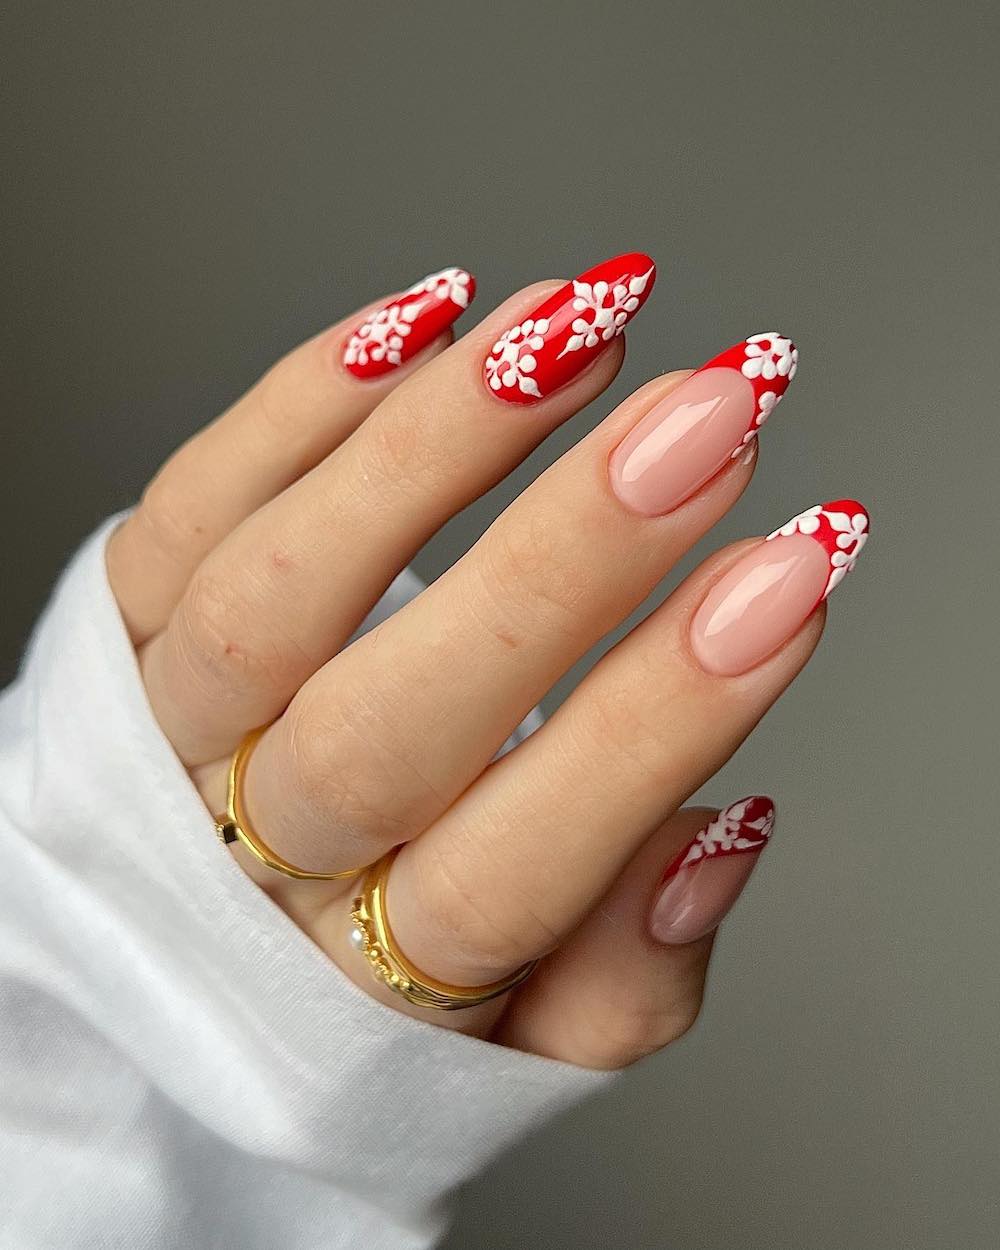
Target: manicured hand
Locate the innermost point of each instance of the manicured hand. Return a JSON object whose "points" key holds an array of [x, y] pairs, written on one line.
{"points": [[262, 544]]}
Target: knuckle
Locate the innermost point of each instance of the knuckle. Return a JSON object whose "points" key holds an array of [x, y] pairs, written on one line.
{"points": [[624, 723], [528, 581], [682, 1020], [320, 765], [399, 454], [271, 395], [630, 1029], [467, 923], [217, 642], [341, 779], [166, 519]]}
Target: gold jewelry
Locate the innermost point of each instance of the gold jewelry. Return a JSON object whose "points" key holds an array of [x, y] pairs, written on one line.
{"points": [[372, 936], [233, 823]]}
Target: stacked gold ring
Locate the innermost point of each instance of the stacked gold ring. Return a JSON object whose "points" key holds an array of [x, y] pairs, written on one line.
{"points": [[234, 824], [372, 936], [371, 933]]}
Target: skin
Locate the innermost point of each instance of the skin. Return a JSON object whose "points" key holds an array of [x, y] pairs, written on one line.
{"points": [[261, 545]]}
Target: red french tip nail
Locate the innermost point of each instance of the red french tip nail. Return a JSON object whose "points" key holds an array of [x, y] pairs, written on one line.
{"points": [[694, 895], [741, 828], [769, 361], [841, 528], [550, 346], [389, 337]]}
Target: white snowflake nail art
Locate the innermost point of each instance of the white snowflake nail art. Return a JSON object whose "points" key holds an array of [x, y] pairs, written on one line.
{"points": [[561, 337], [743, 826], [840, 527], [411, 321]]}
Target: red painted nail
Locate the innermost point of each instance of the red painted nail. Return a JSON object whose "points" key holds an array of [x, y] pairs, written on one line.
{"points": [[566, 332], [702, 883], [408, 323], [840, 528]]}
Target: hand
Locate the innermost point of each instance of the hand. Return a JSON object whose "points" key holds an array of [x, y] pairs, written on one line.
{"points": [[262, 543]]}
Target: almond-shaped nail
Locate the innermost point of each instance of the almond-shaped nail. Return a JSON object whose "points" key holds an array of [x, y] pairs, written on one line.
{"points": [[560, 338], [685, 439], [388, 338], [704, 881], [767, 595]]}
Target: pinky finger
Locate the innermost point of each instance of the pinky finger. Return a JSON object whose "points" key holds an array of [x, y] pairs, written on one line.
{"points": [[632, 977], [302, 409]]}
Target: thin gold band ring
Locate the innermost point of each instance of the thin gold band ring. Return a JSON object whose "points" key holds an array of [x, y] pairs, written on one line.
{"points": [[234, 825]]}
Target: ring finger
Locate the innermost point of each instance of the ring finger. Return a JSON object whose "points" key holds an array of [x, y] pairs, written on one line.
{"points": [[527, 851], [301, 409]]}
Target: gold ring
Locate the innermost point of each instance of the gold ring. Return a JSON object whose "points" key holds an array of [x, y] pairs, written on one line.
{"points": [[372, 936], [233, 824]]}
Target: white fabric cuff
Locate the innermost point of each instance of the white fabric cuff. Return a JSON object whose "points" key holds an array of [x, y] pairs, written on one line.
{"points": [[197, 1038]]}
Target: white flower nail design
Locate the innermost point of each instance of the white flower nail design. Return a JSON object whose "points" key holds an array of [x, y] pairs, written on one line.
{"points": [[450, 284], [511, 362], [409, 322], [382, 337], [568, 329], [770, 355], [609, 315], [744, 826], [841, 528], [767, 401], [805, 523]]}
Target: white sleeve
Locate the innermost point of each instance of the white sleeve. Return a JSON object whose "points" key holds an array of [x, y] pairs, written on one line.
{"points": [[179, 1066]]}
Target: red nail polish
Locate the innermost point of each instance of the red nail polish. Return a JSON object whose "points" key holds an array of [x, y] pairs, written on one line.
{"points": [[566, 332], [769, 361], [408, 323], [702, 883], [840, 528]]}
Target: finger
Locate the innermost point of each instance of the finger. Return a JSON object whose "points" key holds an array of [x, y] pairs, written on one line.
{"points": [[287, 422], [271, 604], [581, 548], [503, 876], [630, 979]]}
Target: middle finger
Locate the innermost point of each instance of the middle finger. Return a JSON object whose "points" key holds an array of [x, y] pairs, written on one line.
{"points": [[528, 850]]}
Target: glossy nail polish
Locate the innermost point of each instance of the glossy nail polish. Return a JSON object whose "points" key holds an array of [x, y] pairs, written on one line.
{"points": [[685, 439], [567, 331], [408, 323], [702, 883], [764, 598]]}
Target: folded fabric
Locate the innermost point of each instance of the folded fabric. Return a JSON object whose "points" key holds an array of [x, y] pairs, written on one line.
{"points": [[179, 1065]]}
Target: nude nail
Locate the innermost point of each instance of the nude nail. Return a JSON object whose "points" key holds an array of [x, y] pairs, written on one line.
{"points": [[767, 595], [702, 883], [687, 438]]}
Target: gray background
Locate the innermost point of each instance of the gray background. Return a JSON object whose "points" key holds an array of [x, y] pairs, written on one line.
{"points": [[194, 188]]}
